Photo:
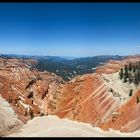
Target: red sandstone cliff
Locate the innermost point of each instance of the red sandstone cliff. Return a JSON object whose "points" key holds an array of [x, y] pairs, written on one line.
{"points": [[23, 88], [88, 99]]}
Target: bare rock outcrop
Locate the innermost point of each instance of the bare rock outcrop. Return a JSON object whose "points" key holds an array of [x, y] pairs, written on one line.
{"points": [[25, 88], [100, 99], [8, 119]]}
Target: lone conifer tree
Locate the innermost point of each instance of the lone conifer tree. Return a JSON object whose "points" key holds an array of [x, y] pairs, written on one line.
{"points": [[130, 78], [31, 114], [138, 76], [138, 100], [121, 73], [131, 91], [136, 79], [139, 65], [130, 66], [126, 71], [125, 80], [134, 68]]}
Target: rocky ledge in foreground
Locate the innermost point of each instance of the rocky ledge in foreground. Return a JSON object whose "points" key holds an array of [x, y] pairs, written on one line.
{"points": [[52, 126]]}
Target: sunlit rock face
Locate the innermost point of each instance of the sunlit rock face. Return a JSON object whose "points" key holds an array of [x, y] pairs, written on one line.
{"points": [[89, 99], [127, 118], [25, 88], [100, 99]]}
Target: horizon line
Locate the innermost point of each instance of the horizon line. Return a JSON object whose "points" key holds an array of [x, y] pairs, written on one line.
{"points": [[67, 56]]}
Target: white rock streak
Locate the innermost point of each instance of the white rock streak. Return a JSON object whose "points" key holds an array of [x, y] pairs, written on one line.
{"points": [[52, 126]]}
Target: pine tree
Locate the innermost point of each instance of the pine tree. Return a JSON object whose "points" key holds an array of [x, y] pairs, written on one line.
{"points": [[139, 65], [131, 91], [30, 95], [134, 68], [42, 114], [136, 79], [31, 114], [126, 71], [125, 80], [131, 73], [121, 73], [130, 67], [130, 78], [138, 76], [138, 100], [10, 99]]}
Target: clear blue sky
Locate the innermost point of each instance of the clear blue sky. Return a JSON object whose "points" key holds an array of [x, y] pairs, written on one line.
{"points": [[70, 29]]}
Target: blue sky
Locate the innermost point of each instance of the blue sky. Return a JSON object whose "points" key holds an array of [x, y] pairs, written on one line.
{"points": [[70, 29]]}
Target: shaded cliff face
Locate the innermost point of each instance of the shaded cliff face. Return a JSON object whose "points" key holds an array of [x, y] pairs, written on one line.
{"points": [[25, 88], [97, 98]]}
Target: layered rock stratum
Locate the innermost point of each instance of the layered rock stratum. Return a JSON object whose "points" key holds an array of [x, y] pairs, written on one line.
{"points": [[89, 99], [24, 87], [100, 99]]}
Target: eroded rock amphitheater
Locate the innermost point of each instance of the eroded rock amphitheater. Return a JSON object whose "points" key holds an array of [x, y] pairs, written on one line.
{"points": [[100, 99]]}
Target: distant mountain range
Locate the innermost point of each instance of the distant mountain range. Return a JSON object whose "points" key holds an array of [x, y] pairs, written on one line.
{"points": [[66, 67], [69, 68]]}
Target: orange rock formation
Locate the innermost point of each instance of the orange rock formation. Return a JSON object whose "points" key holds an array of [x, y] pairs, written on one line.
{"points": [[23, 88], [85, 98]]}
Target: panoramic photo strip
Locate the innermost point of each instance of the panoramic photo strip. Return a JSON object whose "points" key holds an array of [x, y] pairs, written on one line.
{"points": [[69, 69]]}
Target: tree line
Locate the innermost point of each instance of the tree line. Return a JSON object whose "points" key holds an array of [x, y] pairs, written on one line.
{"points": [[130, 73]]}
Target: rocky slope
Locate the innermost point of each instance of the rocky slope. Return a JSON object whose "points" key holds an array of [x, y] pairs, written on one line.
{"points": [[98, 98], [127, 117], [25, 88]]}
